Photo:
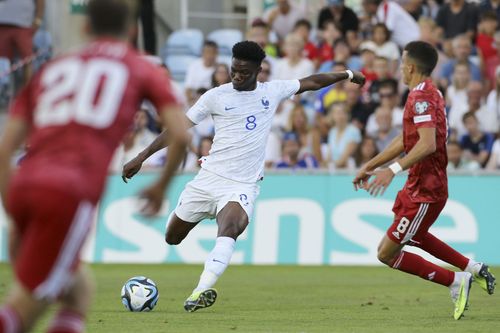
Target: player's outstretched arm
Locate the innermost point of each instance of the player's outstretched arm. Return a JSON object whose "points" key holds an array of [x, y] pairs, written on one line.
{"points": [[161, 141], [175, 122], [321, 80]]}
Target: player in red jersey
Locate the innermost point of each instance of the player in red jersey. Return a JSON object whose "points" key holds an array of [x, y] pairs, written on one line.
{"points": [[424, 195], [73, 114]]}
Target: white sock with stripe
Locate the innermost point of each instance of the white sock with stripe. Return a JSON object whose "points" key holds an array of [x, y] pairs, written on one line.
{"points": [[216, 263]]}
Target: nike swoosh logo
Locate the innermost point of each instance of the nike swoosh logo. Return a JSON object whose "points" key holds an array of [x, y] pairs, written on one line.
{"points": [[218, 261], [227, 109]]}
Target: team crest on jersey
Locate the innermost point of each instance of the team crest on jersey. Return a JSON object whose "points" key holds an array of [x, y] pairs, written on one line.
{"points": [[265, 103], [421, 107]]}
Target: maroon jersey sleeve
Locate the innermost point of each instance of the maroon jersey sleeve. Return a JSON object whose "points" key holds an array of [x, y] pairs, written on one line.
{"points": [[158, 89], [423, 110]]}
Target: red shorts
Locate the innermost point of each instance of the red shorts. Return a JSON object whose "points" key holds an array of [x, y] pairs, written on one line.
{"points": [[16, 39], [412, 220], [52, 227]]}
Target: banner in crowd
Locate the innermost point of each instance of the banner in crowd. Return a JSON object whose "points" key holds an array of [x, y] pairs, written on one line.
{"points": [[298, 219]]}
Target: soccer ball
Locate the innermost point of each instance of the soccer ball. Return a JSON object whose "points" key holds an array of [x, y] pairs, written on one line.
{"points": [[139, 294]]}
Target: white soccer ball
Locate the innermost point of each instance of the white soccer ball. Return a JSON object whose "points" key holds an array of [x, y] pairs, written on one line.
{"points": [[140, 294]]}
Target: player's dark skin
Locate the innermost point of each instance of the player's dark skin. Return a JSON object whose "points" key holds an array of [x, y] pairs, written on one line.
{"points": [[232, 220]]}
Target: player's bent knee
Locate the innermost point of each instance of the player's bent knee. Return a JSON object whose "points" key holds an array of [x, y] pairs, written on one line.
{"points": [[385, 257], [173, 239]]}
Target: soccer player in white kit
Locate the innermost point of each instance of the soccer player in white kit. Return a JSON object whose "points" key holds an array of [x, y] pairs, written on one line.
{"points": [[226, 186]]}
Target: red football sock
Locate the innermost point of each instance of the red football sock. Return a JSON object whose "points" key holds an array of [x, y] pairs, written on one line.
{"points": [[9, 320], [439, 249], [67, 322], [411, 263]]}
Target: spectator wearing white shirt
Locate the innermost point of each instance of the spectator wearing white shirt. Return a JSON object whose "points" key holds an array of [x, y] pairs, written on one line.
{"points": [[388, 96], [294, 65], [493, 100], [283, 17], [199, 73], [488, 121], [385, 47], [402, 25]]}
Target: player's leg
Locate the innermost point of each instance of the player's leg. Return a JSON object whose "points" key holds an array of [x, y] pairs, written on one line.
{"points": [[412, 222], [439, 249], [75, 304], [177, 229], [52, 227], [232, 220]]}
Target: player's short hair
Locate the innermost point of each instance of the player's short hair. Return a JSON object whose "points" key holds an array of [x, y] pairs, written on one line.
{"points": [[110, 17], [249, 51], [424, 55]]}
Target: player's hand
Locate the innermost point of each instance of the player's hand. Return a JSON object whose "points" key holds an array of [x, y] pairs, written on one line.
{"points": [[131, 168], [361, 179], [382, 180], [358, 78], [153, 195]]}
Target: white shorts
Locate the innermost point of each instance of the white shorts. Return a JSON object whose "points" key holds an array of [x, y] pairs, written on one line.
{"points": [[207, 194]]}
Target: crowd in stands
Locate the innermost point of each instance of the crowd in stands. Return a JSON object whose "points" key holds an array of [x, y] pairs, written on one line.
{"points": [[343, 126]]}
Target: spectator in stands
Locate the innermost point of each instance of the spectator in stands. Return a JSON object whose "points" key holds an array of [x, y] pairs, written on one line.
{"points": [[343, 138], [303, 29], [329, 34], [199, 73], [488, 121], [342, 53], [493, 100], [282, 17], [265, 73], [493, 62], [19, 19], [259, 33], [385, 47], [331, 94], [343, 16], [299, 124], [494, 161], [462, 48], [490, 5], [458, 17], [402, 25], [386, 132], [293, 65], [358, 111], [475, 143], [366, 151], [456, 160], [220, 75], [382, 72], [456, 93], [367, 51], [484, 39], [430, 33], [389, 99], [140, 137], [291, 157]]}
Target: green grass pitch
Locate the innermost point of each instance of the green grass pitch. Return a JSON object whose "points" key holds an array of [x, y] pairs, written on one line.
{"points": [[286, 299]]}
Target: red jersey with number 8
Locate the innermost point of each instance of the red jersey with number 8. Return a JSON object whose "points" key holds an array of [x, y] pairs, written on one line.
{"points": [[79, 107], [425, 108]]}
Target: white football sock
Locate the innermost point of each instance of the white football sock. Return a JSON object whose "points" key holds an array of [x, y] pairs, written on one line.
{"points": [[473, 266], [216, 263]]}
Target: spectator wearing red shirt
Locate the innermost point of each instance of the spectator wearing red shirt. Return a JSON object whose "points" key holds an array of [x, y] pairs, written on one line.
{"points": [[484, 39], [494, 61], [303, 29], [330, 33]]}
